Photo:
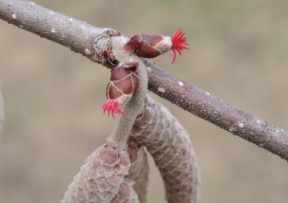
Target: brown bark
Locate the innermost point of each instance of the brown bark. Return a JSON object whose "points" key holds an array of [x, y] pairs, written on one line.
{"points": [[79, 37]]}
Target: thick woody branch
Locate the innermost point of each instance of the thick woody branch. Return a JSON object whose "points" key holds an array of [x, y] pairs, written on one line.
{"points": [[214, 110], [74, 34], [79, 37]]}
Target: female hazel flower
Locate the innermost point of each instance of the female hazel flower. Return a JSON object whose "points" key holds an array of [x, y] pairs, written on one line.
{"points": [[150, 46], [123, 84], [124, 80]]}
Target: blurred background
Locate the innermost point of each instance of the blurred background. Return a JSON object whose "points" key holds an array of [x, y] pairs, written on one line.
{"points": [[53, 97]]}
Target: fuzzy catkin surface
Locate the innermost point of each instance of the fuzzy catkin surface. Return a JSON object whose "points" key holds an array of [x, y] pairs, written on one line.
{"points": [[139, 170], [101, 178], [126, 193], [171, 148], [109, 174]]}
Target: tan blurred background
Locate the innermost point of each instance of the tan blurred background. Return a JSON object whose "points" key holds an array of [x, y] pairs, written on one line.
{"points": [[53, 97]]}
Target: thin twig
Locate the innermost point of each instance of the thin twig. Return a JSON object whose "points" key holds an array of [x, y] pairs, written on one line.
{"points": [[214, 110], [79, 37]]}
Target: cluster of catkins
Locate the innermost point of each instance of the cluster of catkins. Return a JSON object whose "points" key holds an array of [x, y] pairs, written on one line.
{"points": [[123, 82], [113, 168]]}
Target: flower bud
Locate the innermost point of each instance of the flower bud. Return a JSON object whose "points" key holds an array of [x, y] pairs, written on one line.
{"points": [[124, 82], [150, 46]]}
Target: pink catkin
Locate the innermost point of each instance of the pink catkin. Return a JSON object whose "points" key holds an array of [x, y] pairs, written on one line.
{"points": [[100, 178], [171, 148], [126, 193], [105, 177], [179, 43], [139, 170]]}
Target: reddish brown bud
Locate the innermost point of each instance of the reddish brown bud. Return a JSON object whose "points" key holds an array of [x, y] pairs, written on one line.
{"points": [[144, 45], [150, 46], [124, 82]]}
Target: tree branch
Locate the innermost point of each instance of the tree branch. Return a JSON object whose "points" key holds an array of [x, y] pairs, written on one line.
{"points": [[214, 110], [71, 33], [79, 37]]}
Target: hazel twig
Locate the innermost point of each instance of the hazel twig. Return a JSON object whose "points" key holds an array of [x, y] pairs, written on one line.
{"points": [[79, 37]]}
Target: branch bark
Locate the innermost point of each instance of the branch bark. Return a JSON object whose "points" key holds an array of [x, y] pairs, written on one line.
{"points": [[79, 37]]}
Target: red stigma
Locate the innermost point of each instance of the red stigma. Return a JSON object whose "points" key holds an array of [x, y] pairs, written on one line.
{"points": [[113, 107], [179, 43]]}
